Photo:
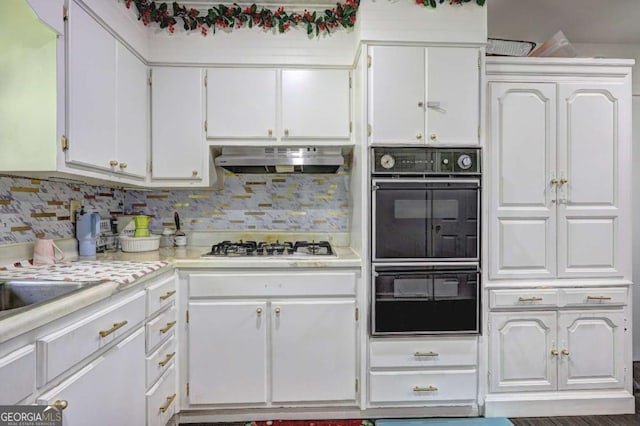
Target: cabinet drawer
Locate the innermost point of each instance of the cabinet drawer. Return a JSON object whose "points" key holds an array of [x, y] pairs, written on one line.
{"points": [[596, 297], [273, 284], [161, 327], [419, 387], [160, 360], [161, 399], [161, 294], [66, 347], [18, 375], [424, 353], [525, 298]]}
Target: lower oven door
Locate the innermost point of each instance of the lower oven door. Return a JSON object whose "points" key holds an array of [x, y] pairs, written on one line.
{"points": [[425, 300]]}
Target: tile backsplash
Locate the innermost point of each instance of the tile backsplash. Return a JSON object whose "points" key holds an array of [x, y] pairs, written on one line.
{"points": [[31, 208]]}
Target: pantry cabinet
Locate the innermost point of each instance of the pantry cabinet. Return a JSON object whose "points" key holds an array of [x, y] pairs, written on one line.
{"points": [[178, 150], [559, 172], [288, 106], [257, 358], [421, 95]]}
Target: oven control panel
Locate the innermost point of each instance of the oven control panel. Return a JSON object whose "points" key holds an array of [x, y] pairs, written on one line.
{"points": [[413, 160]]}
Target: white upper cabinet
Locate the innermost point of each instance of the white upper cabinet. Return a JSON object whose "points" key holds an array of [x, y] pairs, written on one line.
{"points": [[423, 95], [315, 104], [132, 130], [282, 106], [178, 149], [241, 103], [91, 84], [559, 171]]}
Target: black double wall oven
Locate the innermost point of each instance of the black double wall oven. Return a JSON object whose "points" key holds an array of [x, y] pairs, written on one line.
{"points": [[425, 240]]}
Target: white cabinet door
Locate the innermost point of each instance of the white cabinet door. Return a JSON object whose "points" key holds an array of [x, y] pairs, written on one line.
{"points": [[241, 103], [592, 133], [132, 130], [522, 195], [108, 391], [521, 356], [313, 350], [315, 104], [453, 95], [227, 352], [91, 85], [397, 94], [177, 124], [591, 345]]}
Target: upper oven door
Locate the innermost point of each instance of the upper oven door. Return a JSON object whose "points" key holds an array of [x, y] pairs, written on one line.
{"points": [[422, 219]]}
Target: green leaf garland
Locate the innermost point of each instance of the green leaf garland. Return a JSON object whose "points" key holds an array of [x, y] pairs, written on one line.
{"points": [[343, 15]]}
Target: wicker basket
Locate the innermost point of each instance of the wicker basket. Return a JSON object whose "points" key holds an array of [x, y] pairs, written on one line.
{"points": [[135, 244]]}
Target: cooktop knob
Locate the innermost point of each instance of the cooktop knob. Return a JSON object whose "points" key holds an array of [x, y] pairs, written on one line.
{"points": [[387, 161], [465, 162], [445, 161]]}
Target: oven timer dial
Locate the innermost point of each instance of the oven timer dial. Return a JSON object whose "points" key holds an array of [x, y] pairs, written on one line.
{"points": [[465, 162], [387, 161]]}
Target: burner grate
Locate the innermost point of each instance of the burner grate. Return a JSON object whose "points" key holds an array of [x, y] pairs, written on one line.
{"points": [[270, 249]]}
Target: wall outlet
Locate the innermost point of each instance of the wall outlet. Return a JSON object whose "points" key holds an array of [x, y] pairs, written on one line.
{"points": [[74, 205]]}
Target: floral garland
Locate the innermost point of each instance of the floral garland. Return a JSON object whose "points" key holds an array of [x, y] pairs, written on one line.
{"points": [[229, 17]]}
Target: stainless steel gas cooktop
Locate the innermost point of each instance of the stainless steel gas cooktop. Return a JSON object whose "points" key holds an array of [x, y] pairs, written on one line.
{"points": [[275, 249]]}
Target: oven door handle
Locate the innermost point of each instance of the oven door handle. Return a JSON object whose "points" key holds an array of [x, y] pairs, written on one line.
{"points": [[427, 180]]}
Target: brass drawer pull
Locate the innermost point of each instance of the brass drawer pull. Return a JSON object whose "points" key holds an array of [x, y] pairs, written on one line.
{"points": [[116, 325], [554, 352], [167, 295], [427, 389], [168, 327], [564, 352], [167, 359], [166, 406], [60, 403], [529, 299], [426, 354], [598, 298]]}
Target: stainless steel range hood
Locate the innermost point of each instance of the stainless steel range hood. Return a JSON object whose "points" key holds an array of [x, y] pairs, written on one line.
{"points": [[280, 159]]}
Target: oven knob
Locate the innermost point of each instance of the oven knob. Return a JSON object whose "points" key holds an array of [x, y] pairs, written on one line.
{"points": [[387, 161], [445, 161], [465, 162]]}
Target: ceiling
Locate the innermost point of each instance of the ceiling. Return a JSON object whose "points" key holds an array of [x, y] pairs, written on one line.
{"points": [[582, 21]]}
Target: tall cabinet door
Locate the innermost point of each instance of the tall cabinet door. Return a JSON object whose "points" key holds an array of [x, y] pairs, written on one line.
{"points": [[396, 94], [592, 136], [521, 356], [523, 209], [313, 352], [592, 352], [453, 92], [91, 83], [241, 103], [177, 123], [227, 352]]}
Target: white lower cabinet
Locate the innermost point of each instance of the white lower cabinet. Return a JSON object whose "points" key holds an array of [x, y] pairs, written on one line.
{"points": [[19, 369], [423, 371], [161, 398], [258, 350], [108, 391]]}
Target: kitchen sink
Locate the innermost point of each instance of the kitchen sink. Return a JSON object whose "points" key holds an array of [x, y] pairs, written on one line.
{"points": [[20, 293]]}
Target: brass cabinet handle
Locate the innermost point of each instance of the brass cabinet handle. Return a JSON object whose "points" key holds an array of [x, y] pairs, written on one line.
{"points": [[419, 136], [554, 181], [116, 325], [433, 136], [564, 180], [113, 163], [259, 310], [270, 132], [427, 389], [194, 173], [554, 352], [167, 359], [168, 327], [277, 311], [167, 295], [286, 133], [123, 166], [598, 298], [420, 104], [565, 352], [425, 354], [61, 404], [529, 299], [166, 406]]}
